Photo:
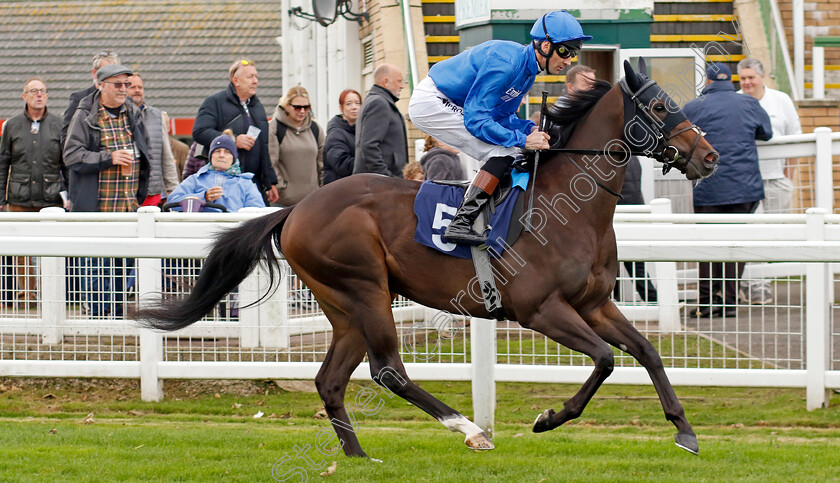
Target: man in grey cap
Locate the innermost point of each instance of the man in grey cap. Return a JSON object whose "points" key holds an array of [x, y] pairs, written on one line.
{"points": [[107, 157], [101, 59]]}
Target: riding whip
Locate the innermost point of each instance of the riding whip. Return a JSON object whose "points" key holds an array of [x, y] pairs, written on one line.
{"points": [[541, 127]]}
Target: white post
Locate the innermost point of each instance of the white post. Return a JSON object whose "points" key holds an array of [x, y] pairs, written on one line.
{"points": [[274, 312], [151, 354], [249, 317], [483, 362], [667, 291], [819, 72], [149, 289], [53, 300], [822, 170], [817, 279], [647, 180], [798, 7]]}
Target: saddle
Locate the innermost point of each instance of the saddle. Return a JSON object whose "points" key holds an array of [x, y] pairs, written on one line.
{"points": [[500, 195]]}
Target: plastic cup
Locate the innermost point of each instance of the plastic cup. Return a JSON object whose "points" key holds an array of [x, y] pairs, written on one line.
{"points": [[126, 169]]}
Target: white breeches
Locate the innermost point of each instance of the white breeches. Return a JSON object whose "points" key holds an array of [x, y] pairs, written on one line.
{"points": [[434, 114]]}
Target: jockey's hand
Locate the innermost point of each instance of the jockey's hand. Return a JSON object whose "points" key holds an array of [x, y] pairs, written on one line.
{"points": [[537, 140]]}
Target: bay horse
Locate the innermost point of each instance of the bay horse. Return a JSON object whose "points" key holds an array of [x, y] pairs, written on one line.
{"points": [[351, 242]]}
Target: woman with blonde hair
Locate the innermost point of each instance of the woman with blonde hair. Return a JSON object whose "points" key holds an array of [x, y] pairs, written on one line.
{"points": [[296, 147]]}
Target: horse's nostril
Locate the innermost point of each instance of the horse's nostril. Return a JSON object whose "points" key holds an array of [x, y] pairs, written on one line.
{"points": [[711, 158]]}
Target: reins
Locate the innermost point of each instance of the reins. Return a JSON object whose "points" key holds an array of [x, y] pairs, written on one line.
{"points": [[600, 185], [656, 125]]}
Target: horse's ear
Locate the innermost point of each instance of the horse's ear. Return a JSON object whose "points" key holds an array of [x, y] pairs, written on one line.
{"points": [[628, 70], [630, 75], [642, 66]]}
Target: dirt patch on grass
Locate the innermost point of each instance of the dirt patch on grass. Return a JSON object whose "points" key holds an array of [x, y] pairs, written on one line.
{"points": [[121, 389]]}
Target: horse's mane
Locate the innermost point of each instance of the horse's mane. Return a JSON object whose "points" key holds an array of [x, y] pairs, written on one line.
{"points": [[562, 117], [570, 109]]}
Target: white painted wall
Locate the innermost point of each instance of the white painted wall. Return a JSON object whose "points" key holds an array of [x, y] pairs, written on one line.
{"points": [[324, 60]]}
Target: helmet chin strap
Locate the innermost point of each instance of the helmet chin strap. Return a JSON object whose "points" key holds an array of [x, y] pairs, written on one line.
{"points": [[538, 48]]}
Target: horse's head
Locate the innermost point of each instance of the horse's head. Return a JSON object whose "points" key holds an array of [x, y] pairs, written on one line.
{"points": [[655, 125]]}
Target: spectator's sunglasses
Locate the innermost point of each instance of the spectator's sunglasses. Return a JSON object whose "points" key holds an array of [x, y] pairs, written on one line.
{"points": [[300, 108], [119, 85]]}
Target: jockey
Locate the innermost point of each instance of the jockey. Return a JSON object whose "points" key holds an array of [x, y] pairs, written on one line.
{"points": [[470, 101]]}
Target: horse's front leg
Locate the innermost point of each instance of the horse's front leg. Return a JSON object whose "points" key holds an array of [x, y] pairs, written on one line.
{"points": [[609, 323], [560, 322]]}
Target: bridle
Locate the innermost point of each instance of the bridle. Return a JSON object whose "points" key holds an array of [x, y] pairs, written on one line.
{"points": [[661, 149], [662, 130]]}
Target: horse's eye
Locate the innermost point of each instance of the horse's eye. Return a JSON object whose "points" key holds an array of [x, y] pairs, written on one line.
{"points": [[659, 108]]}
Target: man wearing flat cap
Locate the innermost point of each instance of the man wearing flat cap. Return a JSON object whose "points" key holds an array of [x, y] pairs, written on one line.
{"points": [[106, 154], [732, 123]]}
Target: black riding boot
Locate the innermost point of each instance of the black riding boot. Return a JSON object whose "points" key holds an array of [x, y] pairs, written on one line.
{"points": [[460, 228]]}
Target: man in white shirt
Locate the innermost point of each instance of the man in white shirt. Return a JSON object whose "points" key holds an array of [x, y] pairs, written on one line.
{"points": [[778, 188]]}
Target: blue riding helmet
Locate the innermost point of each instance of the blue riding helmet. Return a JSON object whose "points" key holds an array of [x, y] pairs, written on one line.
{"points": [[557, 27], [563, 31]]}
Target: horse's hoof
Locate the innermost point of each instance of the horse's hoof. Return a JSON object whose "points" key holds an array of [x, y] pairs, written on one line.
{"points": [[543, 421], [687, 442], [479, 442]]}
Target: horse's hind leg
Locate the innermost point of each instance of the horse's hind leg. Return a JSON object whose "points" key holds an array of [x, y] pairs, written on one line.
{"points": [[347, 350], [387, 370], [560, 322], [613, 327]]}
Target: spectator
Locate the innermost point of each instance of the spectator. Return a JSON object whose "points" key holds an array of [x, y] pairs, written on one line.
{"points": [[381, 144], [470, 102], [579, 78], [163, 177], [778, 188], [414, 172], [107, 155], [195, 160], [340, 146], [221, 181], [296, 146], [631, 194], [237, 108], [103, 58], [441, 161], [30, 169], [582, 78], [732, 123], [180, 151]]}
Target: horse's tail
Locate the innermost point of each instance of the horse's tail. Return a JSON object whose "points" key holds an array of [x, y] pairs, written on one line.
{"points": [[234, 255]]}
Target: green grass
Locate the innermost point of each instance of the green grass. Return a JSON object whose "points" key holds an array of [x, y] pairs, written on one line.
{"points": [[205, 431], [527, 347]]}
